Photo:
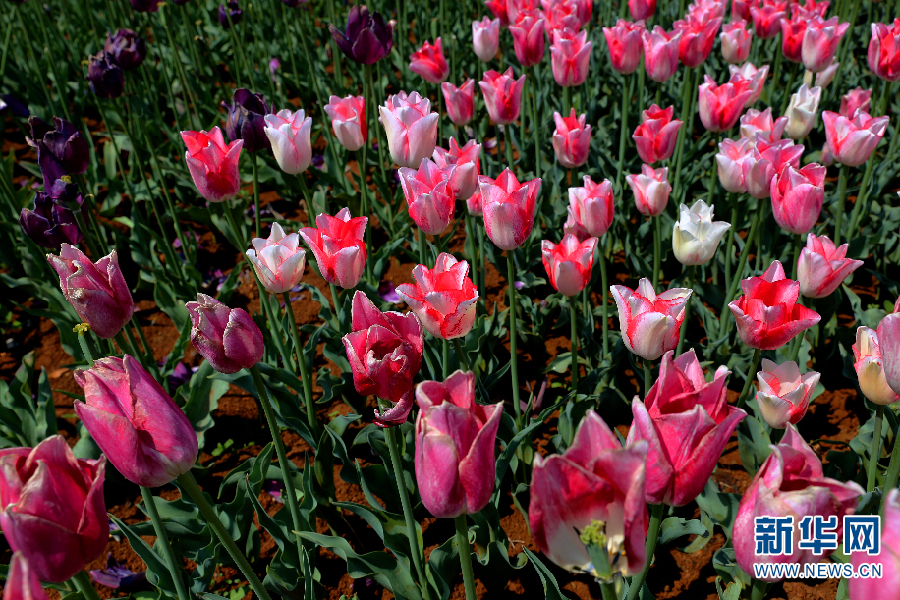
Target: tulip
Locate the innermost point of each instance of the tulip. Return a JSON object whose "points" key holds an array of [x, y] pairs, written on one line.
{"points": [[444, 298], [802, 111], [338, 245], [22, 582], [584, 8], [869, 366], [127, 47], [756, 124], [721, 105], [852, 140], [784, 395], [368, 38], [514, 7], [247, 119], [889, 338], [650, 323], [730, 160], [696, 236], [594, 485], [661, 53], [230, 14], [686, 422], [568, 263], [502, 96], [888, 558], [509, 209], [736, 42], [641, 10], [570, 57], [348, 121], [560, 15], [429, 62], [499, 10], [651, 190], [52, 223], [473, 204], [119, 396], [820, 42], [429, 195], [792, 33], [856, 99], [884, 51], [528, 38], [697, 38], [767, 315], [464, 180], [61, 149], [822, 267], [288, 134], [226, 337], [486, 38], [768, 160], [656, 135], [768, 17], [797, 197], [571, 140], [740, 10], [279, 262], [811, 9], [790, 483], [591, 209], [750, 75], [213, 164], [460, 101], [625, 44], [52, 509], [824, 77], [455, 438], [385, 354], [410, 126], [105, 75]]}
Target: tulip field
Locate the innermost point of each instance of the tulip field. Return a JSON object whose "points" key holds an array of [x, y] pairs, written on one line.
{"points": [[561, 299]]}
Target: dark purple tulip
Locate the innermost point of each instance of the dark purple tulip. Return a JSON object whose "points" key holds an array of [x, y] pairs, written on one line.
{"points": [[246, 119], [145, 5], [105, 74], [231, 9], [52, 223], [128, 48], [368, 38], [61, 149]]}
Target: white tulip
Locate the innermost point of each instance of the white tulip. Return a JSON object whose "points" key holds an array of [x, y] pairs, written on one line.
{"points": [[696, 236]]}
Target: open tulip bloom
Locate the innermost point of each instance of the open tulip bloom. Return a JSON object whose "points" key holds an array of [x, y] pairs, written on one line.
{"points": [[650, 323], [443, 298]]}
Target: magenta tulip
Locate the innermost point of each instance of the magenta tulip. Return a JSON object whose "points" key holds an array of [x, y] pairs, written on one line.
{"points": [[697, 38], [884, 51], [856, 99], [213, 164], [730, 160], [429, 195], [591, 209], [661, 53], [656, 135], [823, 267], [568, 263], [339, 247], [22, 582], [625, 44], [571, 140], [792, 32], [768, 17], [228, 338], [528, 38], [288, 133], [641, 10], [852, 140], [721, 105], [509, 209], [797, 197], [444, 298], [570, 57], [502, 96], [429, 62], [460, 101]]}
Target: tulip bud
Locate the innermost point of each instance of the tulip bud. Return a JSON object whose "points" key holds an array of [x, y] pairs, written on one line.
{"points": [[591, 209], [230, 14], [213, 164], [348, 121], [528, 37], [570, 57], [460, 101], [797, 197], [61, 149], [784, 395], [656, 135], [736, 42], [429, 62], [888, 558], [127, 48], [22, 582], [429, 195], [661, 53], [486, 38], [502, 96], [625, 44], [568, 263], [571, 140], [509, 209], [853, 139], [288, 133], [884, 51], [889, 339], [802, 111], [444, 298], [410, 126], [464, 179], [650, 323], [247, 119], [651, 190], [105, 75], [822, 267], [696, 236], [278, 261], [869, 366], [227, 338]]}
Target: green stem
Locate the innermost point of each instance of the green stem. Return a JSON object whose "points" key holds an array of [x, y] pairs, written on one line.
{"points": [[876, 448], [465, 556], [745, 255], [798, 244], [890, 478], [758, 588], [688, 280], [535, 88], [687, 100], [513, 342], [656, 514], [604, 290], [304, 368], [797, 343], [84, 584], [842, 197], [608, 590], [642, 75], [482, 263], [623, 131], [728, 246], [748, 382], [648, 377], [163, 540], [445, 357], [461, 354], [573, 318], [657, 250], [310, 208], [860, 204], [507, 144], [337, 303], [369, 95], [256, 206], [88, 356]]}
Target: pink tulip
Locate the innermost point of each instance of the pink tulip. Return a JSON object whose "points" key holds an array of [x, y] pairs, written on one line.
{"points": [[740, 9], [697, 38], [869, 366], [429, 195], [792, 33], [767, 315], [348, 121], [584, 10], [444, 298], [473, 204], [460, 101], [595, 482], [810, 9], [279, 261], [227, 338], [514, 7], [429, 62], [721, 105], [765, 162], [736, 41], [499, 10], [464, 180], [22, 582], [888, 557], [625, 44], [852, 140], [730, 160], [559, 15], [97, 291], [641, 10], [824, 77], [820, 42], [486, 38], [768, 17], [455, 438], [749, 74], [570, 57], [52, 509], [790, 483], [856, 99], [661, 53], [568, 263], [509, 209], [571, 140], [410, 126], [884, 51], [385, 354], [288, 132], [528, 38], [706, 10], [756, 124], [656, 135], [213, 164], [502, 96], [651, 190], [889, 338], [797, 197], [591, 209], [686, 423], [119, 397], [650, 323], [338, 245], [822, 267], [784, 395]]}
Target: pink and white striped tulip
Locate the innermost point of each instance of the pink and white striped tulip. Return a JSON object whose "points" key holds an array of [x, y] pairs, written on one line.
{"points": [[502, 96], [570, 57], [213, 164], [697, 38], [784, 395], [486, 38], [730, 160], [655, 137], [444, 298], [338, 245], [348, 121], [429, 195], [528, 38], [856, 99], [429, 62], [820, 43], [625, 45], [720, 106], [888, 557], [869, 366], [661, 53], [748, 73], [650, 323], [591, 209], [460, 101], [410, 126], [568, 263], [852, 140], [508, 208], [768, 17], [651, 190], [884, 51], [288, 132], [822, 267], [463, 181], [571, 140], [797, 197], [736, 42], [760, 125], [278, 260]]}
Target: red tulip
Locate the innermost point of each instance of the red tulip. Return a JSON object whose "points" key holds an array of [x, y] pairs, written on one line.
{"points": [[889, 557], [884, 51], [656, 135], [571, 140], [213, 164], [792, 32], [721, 105], [429, 62], [227, 338], [502, 96], [697, 37], [22, 582], [498, 9], [820, 42], [797, 197], [591, 209], [641, 10], [625, 44], [740, 9], [429, 195], [444, 298], [509, 209], [460, 101], [568, 263], [661, 53], [853, 140], [570, 57], [338, 245], [528, 38], [464, 180], [768, 17], [650, 323], [736, 42]]}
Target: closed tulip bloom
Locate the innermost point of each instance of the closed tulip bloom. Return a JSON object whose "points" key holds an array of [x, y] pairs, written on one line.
{"points": [[348, 121], [385, 354], [651, 190], [367, 38], [460, 101], [797, 197], [213, 163], [230, 14], [105, 75], [696, 236], [749, 74], [767, 315], [625, 44], [61, 149], [279, 262], [852, 140], [509, 209], [584, 8], [824, 77], [736, 41], [444, 298], [455, 439], [570, 57], [889, 339], [560, 15], [429, 62], [856, 99], [888, 557], [869, 366], [528, 38], [884, 51], [338, 245], [661, 53], [226, 337], [502, 96], [730, 160], [486, 38], [740, 10], [766, 161], [514, 7], [499, 10], [594, 484], [247, 119], [820, 42], [410, 126], [697, 38], [784, 395], [52, 509], [591, 209], [641, 10], [571, 140], [52, 223], [810, 8], [473, 204], [289, 135], [720, 106], [650, 323], [97, 291], [464, 180], [429, 195], [768, 17], [790, 483], [568, 263], [802, 112], [22, 582], [823, 267], [793, 31], [128, 48], [655, 137], [756, 125]]}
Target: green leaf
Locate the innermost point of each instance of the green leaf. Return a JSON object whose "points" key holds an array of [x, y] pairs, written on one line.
{"points": [[675, 527], [551, 587]]}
